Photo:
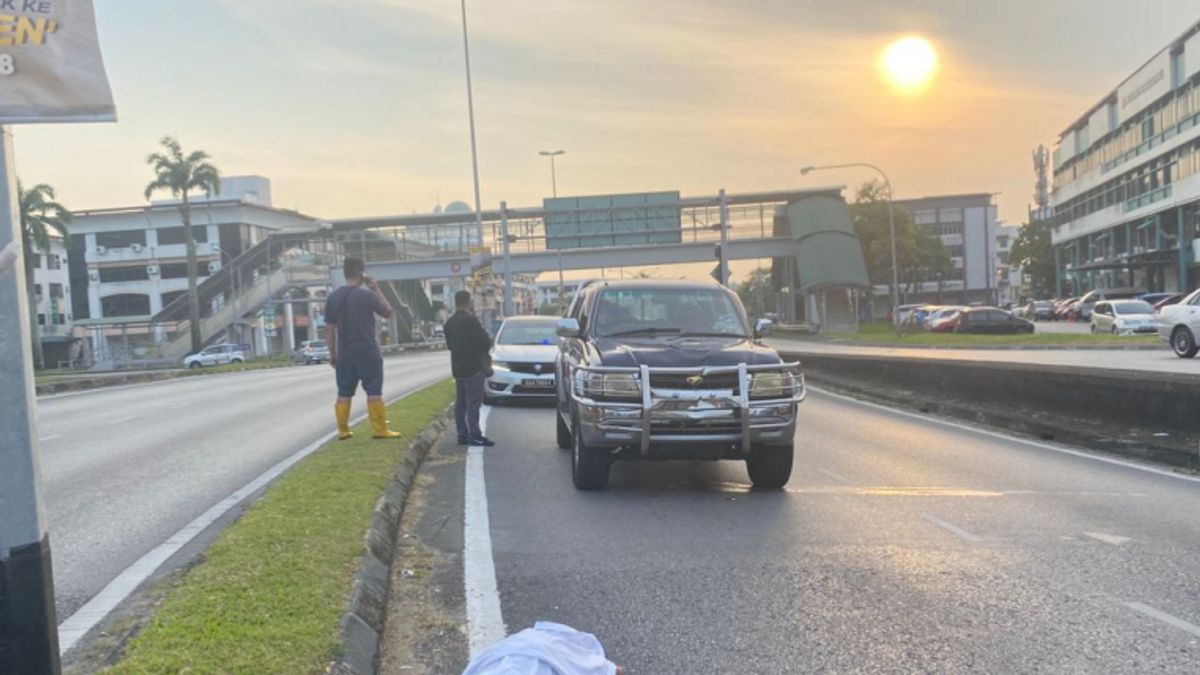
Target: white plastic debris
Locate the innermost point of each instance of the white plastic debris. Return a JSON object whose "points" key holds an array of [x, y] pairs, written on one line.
{"points": [[546, 649]]}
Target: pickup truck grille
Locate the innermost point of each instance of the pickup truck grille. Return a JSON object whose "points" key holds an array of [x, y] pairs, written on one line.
{"points": [[681, 381]]}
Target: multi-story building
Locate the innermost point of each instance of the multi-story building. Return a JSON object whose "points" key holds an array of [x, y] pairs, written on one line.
{"points": [[1009, 278], [132, 262], [966, 225], [1126, 197], [52, 292]]}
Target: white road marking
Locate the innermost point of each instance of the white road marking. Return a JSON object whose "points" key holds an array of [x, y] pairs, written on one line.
{"points": [[87, 617], [836, 476], [952, 528], [123, 420], [50, 437], [1012, 439], [1164, 617], [1115, 540], [485, 622]]}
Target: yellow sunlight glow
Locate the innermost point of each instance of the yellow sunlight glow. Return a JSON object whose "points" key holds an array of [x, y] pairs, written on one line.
{"points": [[909, 63]]}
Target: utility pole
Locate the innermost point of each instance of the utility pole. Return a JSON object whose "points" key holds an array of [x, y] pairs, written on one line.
{"points": [[508, 280], [724, 261], [471, 118], [28, 624]]}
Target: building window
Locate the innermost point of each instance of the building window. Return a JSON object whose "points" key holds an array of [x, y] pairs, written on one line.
{"points": [[41, 319], [950, 215], [125, 304], [121, 238], [36, 261], [168, 236], [110, 275], [173, 271], [37, 291], [955, 251], [53, 262], [60, 319], [56, 291], [925, 217], [437, 289]]}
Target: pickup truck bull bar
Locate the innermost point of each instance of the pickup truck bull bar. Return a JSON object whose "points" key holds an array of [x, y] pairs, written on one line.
{"points": [[740, 398]]}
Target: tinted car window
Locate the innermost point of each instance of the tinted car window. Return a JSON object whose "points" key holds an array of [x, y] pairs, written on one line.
{"points": [[1133, 307], [686, 310]]}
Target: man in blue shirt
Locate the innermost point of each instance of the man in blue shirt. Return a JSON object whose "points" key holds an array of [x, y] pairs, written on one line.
{"points": [[353, 352]]}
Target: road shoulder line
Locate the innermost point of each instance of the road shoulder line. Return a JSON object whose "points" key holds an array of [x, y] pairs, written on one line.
{"points": [[485, 622], [1164, 617]]}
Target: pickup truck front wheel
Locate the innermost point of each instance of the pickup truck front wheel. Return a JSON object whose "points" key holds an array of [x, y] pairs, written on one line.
{"points": [[770, 466], [589, 466]]}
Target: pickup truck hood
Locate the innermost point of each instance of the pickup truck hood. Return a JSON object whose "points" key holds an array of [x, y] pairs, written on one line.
{"points": [[681, 352]]}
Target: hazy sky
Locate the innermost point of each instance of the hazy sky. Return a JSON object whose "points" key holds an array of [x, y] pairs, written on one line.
{"points": [[358, 107]]}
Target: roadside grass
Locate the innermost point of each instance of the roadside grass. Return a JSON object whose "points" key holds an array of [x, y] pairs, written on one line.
{"points": [[269, 594], [252, 364], [879, 333]]}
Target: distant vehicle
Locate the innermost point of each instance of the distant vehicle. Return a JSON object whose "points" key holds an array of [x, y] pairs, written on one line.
{"points": [[523, 359], [1171, 299], [1123, 317], [904, 314], [1083, 308], [1155, 298], [1038, 310], [216, 355], [1179, 325], [990, 321], [942, 320], [1063, 309], [438, 332], [658, 370], [310, 352]]}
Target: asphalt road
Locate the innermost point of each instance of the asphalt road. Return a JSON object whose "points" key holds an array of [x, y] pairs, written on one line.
{"points": [[900, 545], [125, 468], [1155, 360]]}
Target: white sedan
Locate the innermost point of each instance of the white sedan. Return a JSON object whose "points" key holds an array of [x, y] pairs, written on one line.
{"points": [[1179, 325], [523, 359]]}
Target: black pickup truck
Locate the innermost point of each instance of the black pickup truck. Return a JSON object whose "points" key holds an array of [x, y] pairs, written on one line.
{"points": [[657, 370]]}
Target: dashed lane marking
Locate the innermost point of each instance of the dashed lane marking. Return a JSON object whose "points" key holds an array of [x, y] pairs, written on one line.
{"points": [[1164, 617], [952, 528]]}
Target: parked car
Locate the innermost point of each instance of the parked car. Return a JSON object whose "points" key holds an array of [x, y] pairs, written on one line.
{"points": [[942, 320], [1179, 325], [1037, 310], [216, 355], [904, 314], [1063, 309], [1123, 317], [1171, 299], [523, 359], [658, 370], [310, 352], [991, 321], [1154, 298], [1083, 307]]}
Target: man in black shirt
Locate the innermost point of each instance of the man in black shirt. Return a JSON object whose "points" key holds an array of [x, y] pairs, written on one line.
{"points": [[469, 347], [353, 352]]}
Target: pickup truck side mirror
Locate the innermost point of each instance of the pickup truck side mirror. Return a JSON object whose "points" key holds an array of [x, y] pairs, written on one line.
{"points": [[763, 328], [568, 328]]}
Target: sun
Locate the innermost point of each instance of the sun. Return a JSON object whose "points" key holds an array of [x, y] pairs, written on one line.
{"points": [[909, 63]]}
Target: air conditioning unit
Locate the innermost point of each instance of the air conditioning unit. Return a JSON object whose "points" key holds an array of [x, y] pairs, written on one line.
{"points": [[101, 250], [94, 276], [137, 248], [152, 270], [213, 267]]}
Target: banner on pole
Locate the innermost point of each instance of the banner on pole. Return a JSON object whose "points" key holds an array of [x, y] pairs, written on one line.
{"points": [[50, 64]]}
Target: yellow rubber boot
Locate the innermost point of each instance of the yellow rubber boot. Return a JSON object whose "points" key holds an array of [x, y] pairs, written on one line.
{"points": [[342, 410], [379, 424]]}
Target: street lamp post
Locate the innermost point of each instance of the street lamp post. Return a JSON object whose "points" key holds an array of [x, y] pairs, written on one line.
{"points": [[553, 178], [471, 118], [891, 227]]}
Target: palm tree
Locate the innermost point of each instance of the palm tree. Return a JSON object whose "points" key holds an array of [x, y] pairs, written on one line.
{"points": [[40, 217], [180, 175]]}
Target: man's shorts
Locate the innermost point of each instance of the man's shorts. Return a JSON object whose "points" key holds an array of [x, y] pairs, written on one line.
{"points": [[354, 368]]}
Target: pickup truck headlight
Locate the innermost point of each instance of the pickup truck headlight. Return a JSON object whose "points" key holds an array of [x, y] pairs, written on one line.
{"points": [[772, 385], [607, 385]]}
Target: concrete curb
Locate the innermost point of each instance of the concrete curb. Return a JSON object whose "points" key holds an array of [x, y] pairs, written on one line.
{"points": [[366, 611]]}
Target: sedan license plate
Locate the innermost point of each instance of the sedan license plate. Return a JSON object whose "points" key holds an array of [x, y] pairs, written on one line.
{"points": [[538, 384]]}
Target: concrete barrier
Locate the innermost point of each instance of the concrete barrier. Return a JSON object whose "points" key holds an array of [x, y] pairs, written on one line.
{"points": [[1147, 415]]}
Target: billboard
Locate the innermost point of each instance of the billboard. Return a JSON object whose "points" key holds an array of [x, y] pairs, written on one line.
{"points": [[613, 220], [50, 64]]}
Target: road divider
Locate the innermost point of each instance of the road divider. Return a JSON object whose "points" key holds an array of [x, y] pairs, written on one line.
{"points": [[275, 592], [1147, 415]]}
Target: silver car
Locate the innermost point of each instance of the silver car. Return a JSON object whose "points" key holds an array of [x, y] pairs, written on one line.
{"points": [[1123, 317], [1179, 325], [523, 359]]}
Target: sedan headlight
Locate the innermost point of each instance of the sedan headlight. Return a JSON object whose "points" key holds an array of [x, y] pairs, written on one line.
{"points": [[502, 365], [772, 385], [607, 385]]}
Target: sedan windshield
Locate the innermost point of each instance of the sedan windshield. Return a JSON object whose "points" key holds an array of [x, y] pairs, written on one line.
{"points": [[1133, 307], [527, 334], [684, 311]]}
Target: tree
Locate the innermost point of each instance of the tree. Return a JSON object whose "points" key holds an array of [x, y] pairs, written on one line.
{"points": [[1033, 251], [41, 216], [757, 292], [180, 175], [871, 224]]}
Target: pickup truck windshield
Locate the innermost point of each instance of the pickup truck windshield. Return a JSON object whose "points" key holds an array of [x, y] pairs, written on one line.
{"points": [[682, 311]]}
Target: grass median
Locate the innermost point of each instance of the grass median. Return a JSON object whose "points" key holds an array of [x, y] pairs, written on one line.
{"points": [[875, 333], [269, 594]]}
